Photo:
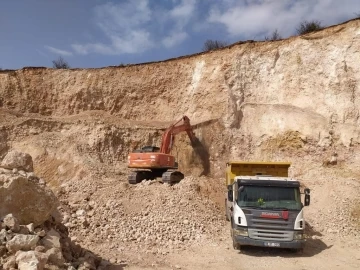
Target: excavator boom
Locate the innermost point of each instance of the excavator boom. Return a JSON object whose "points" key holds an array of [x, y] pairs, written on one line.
{"points": [[169, 134]]}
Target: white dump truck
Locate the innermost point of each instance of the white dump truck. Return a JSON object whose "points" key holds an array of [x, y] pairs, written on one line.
{"points": [[264, 205]]}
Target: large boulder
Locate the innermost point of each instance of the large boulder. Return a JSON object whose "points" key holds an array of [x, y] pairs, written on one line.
{"points": [[17, 160], [22, 194], [31, 233]]}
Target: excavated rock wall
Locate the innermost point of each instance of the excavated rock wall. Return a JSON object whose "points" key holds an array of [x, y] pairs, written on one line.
{"points": [[256, 92]]}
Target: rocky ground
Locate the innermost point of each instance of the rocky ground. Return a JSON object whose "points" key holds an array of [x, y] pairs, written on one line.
{"points": [[156, 226], [148, 218]]}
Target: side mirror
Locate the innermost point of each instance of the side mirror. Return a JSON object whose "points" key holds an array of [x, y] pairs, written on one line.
{"points": [[307, 196]]}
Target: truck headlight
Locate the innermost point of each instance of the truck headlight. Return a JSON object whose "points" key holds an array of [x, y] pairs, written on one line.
{"points": [[238, 231], [299, 235]]}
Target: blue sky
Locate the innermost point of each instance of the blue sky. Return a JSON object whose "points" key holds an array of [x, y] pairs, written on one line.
{"points": [[98, 33]]}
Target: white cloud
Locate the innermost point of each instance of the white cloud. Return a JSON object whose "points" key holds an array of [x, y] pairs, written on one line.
{"points": [[181, 15], [92, 47], [134, 42], [137, 41], [135, 26], [124, 24], [174, 38], [184, 10], [132, 27], [58, 51], [256, 18]]}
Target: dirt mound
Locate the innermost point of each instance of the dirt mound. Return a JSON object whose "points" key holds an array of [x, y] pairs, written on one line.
{"points": [[148, 218]]}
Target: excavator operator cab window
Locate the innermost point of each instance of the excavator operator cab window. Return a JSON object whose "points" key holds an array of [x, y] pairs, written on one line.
{"points": [[148, 149]]}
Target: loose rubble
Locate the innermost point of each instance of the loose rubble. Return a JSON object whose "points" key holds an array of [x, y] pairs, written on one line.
{"points": [[158, 219], [42, 242], [162, 218], [47, 247], [335, 219]]}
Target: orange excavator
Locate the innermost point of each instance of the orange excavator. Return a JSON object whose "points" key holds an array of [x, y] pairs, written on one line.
{"points": [[152, 162]]}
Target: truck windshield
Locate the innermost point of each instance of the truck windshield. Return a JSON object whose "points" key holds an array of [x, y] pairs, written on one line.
{"points": [[270, 197]]}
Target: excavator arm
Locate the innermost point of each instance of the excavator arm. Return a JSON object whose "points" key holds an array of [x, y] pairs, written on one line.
{"points": [[169, 134]]}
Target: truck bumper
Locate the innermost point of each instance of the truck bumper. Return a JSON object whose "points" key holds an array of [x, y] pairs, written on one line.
{"points": [[246, 241]]}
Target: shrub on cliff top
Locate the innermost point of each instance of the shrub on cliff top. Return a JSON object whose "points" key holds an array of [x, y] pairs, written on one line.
{"points": [[60, 63], [308, 27], [213, 44], [274, 36]]}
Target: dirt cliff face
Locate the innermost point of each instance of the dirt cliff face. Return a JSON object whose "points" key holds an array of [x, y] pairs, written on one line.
{"points": [[307, 84], [290, 99]]}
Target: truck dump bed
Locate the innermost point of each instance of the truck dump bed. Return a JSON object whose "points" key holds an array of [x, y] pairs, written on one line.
{"points": [[248, 168]]}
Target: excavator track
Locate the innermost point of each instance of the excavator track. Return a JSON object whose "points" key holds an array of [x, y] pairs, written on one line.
{"points": [[172, 177], [136, 177], [169, 177]]}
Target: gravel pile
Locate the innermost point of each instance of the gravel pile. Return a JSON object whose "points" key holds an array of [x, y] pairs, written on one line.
{"points": [[335, 219], [151, 216]]}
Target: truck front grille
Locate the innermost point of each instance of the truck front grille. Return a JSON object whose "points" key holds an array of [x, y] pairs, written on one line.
{"points": [[270, 235], [270, 224]]}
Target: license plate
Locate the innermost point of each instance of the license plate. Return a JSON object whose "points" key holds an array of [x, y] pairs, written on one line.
{"points": [[269, 244]]}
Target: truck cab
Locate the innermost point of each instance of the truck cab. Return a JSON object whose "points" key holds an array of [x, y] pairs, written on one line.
{"points": [[265, 210]]}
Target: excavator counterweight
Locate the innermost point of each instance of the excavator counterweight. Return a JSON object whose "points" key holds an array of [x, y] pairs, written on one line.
{"points": [[152, 162]]}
